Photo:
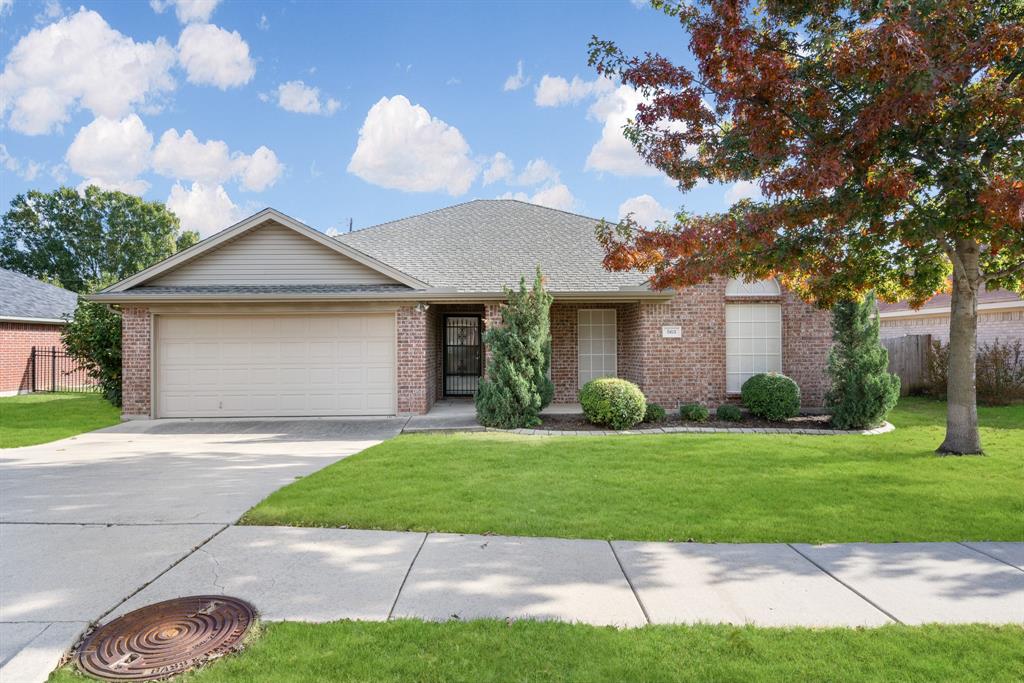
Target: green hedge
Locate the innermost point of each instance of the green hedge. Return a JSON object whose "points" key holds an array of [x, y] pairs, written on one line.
{"points": [[771, 396], [614, 403]]}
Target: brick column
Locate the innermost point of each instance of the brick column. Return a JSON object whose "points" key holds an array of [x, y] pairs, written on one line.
{"points": [[413, 362], [492, 319], [136, 365]]}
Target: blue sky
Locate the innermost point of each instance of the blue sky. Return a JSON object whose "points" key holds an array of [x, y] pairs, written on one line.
{"points": [[330, 111]]}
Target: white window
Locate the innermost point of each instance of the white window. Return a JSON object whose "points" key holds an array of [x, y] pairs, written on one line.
{"points": [[596, 334], [753, 342], [740, 287]]}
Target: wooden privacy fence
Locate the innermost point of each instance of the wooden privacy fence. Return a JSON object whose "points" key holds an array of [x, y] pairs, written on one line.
{"points": [[908, 358]]}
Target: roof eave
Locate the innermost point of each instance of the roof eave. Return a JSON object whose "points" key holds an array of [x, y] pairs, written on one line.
{"points": [[426, 295]]}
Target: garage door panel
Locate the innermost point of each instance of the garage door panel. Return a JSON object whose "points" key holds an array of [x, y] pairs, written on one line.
{"points": [[265, 366]]}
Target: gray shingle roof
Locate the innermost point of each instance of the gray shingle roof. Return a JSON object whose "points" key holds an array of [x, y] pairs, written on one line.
{"points": [[266, 289], [25, 297], [483, 245]]}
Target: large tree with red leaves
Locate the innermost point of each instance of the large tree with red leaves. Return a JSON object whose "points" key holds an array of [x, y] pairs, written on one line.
{"points": [[887, 138]]}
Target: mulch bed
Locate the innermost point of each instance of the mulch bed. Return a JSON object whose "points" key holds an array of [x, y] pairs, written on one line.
{"points": [[578, 423]]}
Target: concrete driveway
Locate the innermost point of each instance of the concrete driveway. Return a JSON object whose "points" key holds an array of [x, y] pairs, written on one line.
{"points": [[87, 522]]}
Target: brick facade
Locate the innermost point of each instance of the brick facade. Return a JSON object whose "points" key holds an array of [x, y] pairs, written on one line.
{"points": [[136, 344], [16, 342], [669, 371], [1006, 326]]}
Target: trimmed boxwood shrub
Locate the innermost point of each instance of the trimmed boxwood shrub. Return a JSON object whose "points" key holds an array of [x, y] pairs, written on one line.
{"points": [[771, 396], [612, 402], [694, 412], [728, 413], [655, 413]]}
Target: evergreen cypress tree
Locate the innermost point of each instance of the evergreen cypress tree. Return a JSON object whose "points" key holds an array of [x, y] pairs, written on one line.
{"points": [[517, 387], [863, 390]]}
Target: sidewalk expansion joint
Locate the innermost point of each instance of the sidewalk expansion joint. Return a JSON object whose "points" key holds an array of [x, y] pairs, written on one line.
{"points": [[990, 556], [406, 577], [169, 568], [629, 581], [846, 585]]}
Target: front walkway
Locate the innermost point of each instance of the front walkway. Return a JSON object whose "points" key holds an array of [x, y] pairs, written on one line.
{"points": [[328, 574], [459, 415]]}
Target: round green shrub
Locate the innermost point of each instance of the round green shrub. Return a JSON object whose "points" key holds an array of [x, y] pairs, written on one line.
{"points": [[612, 402], [655, 413], [728, 413], [694, 412], [771, 396]]}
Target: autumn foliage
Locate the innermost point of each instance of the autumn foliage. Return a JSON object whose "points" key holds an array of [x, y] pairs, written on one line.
{"points": [[879, 134], [886, 137]]}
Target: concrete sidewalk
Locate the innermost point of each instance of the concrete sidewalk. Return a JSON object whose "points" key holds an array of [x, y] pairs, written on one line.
{"points": [[329, 574]]}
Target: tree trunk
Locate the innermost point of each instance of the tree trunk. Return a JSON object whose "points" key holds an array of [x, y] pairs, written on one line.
{"points": [[962, 436]]}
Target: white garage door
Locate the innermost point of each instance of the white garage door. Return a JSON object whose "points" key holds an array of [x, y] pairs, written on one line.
{"points": [[234, 366]]}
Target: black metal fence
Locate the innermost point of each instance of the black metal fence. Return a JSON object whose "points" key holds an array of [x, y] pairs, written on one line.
{"points": [[53, 369]]}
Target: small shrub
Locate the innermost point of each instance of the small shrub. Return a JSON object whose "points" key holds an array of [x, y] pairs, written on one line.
{"points": [[654, 413], [999, 373], [771, 396], [728, 413], [612, 402], [693, 412]]}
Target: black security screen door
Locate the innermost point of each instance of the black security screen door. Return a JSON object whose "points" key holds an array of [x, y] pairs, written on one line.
{"points": [[463, 359]]}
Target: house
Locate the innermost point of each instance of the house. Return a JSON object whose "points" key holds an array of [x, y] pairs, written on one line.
{"points": [[271, 317], [1000, 316], [32, 313]]}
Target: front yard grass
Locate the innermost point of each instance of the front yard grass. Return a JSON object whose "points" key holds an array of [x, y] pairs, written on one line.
{"points": [[715, 487], [479, 651], [31, 419]]}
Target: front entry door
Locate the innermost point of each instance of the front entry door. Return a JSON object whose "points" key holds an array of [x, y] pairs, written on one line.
{"points": [[463, 355]]}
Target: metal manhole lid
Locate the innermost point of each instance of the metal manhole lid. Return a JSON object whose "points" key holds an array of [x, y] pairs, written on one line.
{"points": [[166, 638]]}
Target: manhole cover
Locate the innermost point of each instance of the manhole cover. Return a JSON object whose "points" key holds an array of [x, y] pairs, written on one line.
{"points": [[166, 638]]}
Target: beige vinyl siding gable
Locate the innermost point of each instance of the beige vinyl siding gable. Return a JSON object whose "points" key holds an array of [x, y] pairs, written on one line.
{"points": [[272, 255]]}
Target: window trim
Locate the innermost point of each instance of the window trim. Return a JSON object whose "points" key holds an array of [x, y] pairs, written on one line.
{"points": [[579, 339], [777, 306]]}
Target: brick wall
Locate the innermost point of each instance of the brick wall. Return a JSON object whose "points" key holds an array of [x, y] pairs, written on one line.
{"points": [[136, 337], [415, 362], [1006, 326], [565, 345], [691, 368], [16, 342]]}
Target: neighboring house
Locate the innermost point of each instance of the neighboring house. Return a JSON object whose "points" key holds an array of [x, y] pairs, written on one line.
{"points": [[1000, 316], [271, 317], [32, 313]]}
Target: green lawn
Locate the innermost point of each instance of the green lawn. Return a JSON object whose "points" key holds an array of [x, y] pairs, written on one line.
{"points": [[715, 487], [37, 418], [481, 651]]}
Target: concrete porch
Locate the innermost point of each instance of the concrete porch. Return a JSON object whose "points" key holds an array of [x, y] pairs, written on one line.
{"points": [[459, 414]]}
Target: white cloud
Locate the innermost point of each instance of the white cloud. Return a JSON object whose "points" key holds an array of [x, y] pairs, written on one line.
{"points": [[52, 9], [537, 171], [27, 170], [646, 210], [499, 168], [516, 80], [264, 23], [213, 56], [298, 97], [187, 11], [553, 196], [401, 146], [613, 152], [5, 6], [112, 153], [184, 157], [203, 208], [742, 189], [555, 91], [80, 60], [260, 170]]}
